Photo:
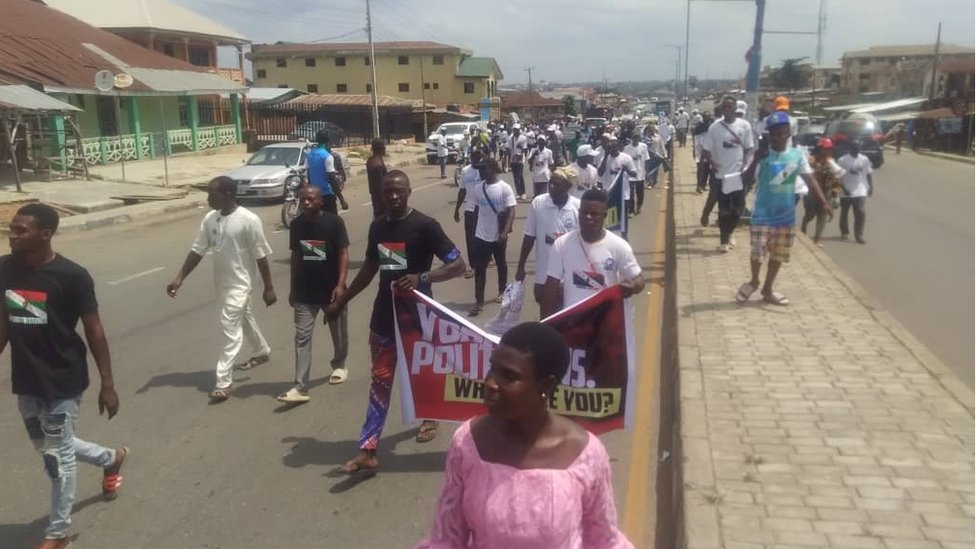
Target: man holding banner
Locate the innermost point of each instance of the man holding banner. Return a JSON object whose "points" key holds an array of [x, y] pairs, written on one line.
{"points": [[585, 261], [612, 169], [401, 248]]}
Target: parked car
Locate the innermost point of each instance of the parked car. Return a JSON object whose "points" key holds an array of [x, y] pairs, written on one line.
{"points": [[265, 173], [307, 131], [862, 127], [808, 135], [455, 130]]}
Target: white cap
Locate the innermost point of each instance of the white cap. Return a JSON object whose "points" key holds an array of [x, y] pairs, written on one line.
{"points": [[741, 107], [585, 150]]}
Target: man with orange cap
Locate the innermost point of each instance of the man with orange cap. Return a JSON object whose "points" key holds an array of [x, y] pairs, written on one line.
{"points": [[782, 104]]}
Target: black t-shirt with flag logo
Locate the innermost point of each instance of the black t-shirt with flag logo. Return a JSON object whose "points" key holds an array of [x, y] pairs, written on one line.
{"points": [[317, 241], [404, 246], [42, 306]]}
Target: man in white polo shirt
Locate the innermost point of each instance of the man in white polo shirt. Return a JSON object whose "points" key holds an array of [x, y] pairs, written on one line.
{"points": [[585, 261], [550, 216], [468, 186], [728, 148], [858, 186], [541, 163]]}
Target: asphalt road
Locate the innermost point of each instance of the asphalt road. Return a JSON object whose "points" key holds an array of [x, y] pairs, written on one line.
{"points": [[918, 260], [246, 473]]}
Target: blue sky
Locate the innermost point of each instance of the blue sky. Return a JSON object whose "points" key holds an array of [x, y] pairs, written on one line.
{"points": [[621, 39]]}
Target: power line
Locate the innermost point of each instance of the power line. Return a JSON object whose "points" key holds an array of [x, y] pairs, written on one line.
{"points": [[350, 33]]}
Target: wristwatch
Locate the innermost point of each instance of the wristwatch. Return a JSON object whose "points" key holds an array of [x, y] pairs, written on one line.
{"points": [[425, 277]]}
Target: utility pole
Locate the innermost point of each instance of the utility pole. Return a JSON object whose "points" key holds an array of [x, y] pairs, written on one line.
{"points": [[423, 93], [821, 27], [687, 45], [531, 95], [755, 58], [372, 66], [935, 63]]}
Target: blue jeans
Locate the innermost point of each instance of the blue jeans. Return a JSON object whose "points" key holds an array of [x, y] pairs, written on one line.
{"points": [[51, 427]]}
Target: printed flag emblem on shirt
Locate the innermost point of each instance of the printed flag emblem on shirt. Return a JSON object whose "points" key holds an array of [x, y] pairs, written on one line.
{"points": [[588, 280], [551, 238], [313, 250], [393, 256], [26, 307]]}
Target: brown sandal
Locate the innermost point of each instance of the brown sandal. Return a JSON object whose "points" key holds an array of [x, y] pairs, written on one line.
{"points": [[112, 476]]}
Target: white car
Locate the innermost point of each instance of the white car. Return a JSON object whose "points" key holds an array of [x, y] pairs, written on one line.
{"points": [[455, 131], [264, 174]]}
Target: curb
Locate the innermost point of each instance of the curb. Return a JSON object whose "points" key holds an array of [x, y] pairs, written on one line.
{"points": [[148, 210], [937, 154], [946, 378]]}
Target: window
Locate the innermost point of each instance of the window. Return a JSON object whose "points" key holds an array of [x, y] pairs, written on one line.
{"points": [[168, 49], [426, 85], [309, 61], [366, 60], [403, 60], [864, 62], [438, 59], [436, 86], [340, 61], [282, 85], [312, 88], [469, 87], [369, 88], [262, 73], [403, 87], [281, 62], [341, 88]]}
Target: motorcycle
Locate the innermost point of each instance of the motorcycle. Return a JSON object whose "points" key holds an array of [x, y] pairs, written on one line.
{"points": [[290, 208]]}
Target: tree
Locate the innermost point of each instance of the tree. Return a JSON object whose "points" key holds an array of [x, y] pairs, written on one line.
{"points": [[792, 74], [569, 105]]}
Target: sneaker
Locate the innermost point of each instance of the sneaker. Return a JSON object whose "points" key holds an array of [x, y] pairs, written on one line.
{"points": [[704, 220], [844, 237], [860, 240], [732, 242], [294, 395], [724, 248]]}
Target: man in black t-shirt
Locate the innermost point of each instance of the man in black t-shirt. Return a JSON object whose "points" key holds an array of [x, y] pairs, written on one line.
{"points": [[319, 262], [45, 295], [402, 245]]}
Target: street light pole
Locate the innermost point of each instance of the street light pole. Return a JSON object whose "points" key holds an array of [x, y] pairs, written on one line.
{"points": [[687, 45], [372, 66], [755, 58]]}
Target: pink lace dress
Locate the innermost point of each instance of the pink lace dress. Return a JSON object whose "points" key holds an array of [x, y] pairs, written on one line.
{"points": [[489, 505]]}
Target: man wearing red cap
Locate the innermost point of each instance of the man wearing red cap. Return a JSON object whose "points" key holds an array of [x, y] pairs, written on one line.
{"points": [[827, 174]]}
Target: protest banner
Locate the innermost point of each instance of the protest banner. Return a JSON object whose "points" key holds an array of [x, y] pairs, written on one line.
{"points": [[616, 219], [442, 360]]}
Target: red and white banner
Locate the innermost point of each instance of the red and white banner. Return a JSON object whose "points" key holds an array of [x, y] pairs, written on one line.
{"points": [[442, 359]]}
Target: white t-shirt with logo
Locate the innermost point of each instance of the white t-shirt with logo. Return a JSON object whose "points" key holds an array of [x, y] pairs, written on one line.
{"points": [[546, 223], [727, 142], [640, 155], [236, 241], [586, 179], [855, 178], [682, 120], [615, 164], [470, 179], [518, 145], [540, 164], [502, 197], [585, 268]]}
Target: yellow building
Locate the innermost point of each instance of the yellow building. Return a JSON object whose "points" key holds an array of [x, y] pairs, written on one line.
{"points": [[438, 73]]}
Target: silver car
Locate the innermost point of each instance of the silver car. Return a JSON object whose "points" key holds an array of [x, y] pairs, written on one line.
{"points": [[264, 174]]}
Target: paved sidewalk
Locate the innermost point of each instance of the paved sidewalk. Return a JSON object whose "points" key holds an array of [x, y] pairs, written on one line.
{"points": [[820, 424]]}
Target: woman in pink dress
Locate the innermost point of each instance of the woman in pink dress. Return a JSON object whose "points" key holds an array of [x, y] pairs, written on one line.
{"points": [[523, 477]]}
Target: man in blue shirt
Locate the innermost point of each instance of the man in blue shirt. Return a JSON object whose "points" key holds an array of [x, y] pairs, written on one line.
{"points": [[774, 212], [322, 173]]}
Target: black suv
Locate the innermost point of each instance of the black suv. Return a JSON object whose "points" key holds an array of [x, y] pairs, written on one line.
{"points": [[862, 127]]}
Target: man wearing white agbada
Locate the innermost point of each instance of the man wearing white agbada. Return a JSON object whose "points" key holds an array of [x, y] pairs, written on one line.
{"points": [[236, 239]]}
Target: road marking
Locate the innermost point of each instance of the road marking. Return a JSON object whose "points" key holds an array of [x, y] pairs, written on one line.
{"points": [[135, 276], [635, 505]]}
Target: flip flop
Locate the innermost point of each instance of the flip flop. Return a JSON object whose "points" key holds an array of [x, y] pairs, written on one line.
{"points": [[427, 431], [475, 311], [220, 395], [745, 292], [355, 466], [776, 298], [338, 376], [469, 274], [253, 362]]}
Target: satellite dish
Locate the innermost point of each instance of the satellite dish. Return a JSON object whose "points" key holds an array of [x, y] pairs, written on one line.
{"points": [[122, 80], [104, 80]]}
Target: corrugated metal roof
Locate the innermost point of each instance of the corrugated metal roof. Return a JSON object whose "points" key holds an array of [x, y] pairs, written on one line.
{"points": [[42, 46], [890, 105], [20, 97], [347, 100], [911, 50], [479, 67], [184, 82], [144, 14], [259, 50]]}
